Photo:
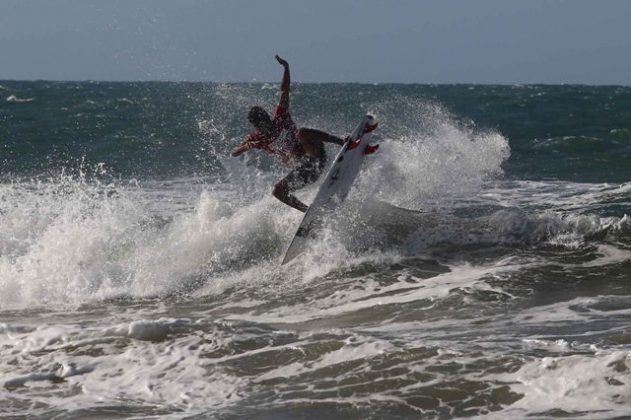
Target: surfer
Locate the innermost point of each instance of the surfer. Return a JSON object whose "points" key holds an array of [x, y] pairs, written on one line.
{"points": [[302, 149]]}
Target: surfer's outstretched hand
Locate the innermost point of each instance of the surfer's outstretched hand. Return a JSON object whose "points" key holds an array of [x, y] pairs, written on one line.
{"points": [[282, 62]]}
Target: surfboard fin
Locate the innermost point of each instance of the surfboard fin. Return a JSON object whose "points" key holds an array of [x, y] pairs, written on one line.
{"points": [[370, 149], [370, 127], [353, 144]]}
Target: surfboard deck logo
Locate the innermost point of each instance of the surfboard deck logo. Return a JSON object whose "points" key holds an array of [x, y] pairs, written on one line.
{"points": [[336, 184]]}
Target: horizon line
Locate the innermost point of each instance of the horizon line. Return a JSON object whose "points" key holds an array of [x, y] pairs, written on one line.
{"points": [[328, 82]]}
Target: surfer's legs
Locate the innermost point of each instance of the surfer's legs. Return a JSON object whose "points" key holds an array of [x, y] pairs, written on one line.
{"points": [[281, 191], [312, 139], [307, 173]]}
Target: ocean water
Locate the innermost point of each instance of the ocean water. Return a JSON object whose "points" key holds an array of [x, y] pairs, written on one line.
{"points": [[481, 266]]}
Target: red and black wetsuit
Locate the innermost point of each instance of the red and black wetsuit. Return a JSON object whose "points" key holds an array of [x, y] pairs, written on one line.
{"points": [[282, 143], [285, 147]]}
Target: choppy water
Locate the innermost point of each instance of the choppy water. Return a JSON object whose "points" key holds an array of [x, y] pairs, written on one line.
{"points": [[480, 268]]}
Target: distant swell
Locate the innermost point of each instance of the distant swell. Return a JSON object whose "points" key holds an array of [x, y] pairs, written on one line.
{"points": [[14, 98]]}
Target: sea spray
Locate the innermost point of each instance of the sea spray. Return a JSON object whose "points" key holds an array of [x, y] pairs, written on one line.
{"points": [[456, 281]]}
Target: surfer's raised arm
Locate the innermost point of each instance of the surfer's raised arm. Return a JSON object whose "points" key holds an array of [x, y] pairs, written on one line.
{"points": [[283, 103]]}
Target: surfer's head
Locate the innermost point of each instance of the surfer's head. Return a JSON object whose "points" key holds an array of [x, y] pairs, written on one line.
{"points": [[260, 119]]}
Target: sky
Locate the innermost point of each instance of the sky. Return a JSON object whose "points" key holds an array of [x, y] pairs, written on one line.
{"points": [[366, 41]]}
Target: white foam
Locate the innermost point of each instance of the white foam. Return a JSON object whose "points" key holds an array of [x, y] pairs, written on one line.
{"points": [[429, 156], [563, 195], [64, 371], [165, 373], [60, 242], [575, 383], [148, 330], [398, 293], [70, 242], [361, 351]]}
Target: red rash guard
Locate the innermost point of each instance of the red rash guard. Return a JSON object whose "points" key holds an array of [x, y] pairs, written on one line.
{"points": [[282, 143]]}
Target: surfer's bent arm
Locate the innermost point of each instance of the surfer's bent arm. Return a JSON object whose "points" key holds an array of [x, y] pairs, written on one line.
{"points": [[283, 103]]}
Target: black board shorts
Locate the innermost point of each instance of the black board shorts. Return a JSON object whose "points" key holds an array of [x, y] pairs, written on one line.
{"points": [[307, 172]]}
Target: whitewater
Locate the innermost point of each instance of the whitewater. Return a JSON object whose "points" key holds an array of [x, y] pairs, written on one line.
{"points": [[479, 268]]}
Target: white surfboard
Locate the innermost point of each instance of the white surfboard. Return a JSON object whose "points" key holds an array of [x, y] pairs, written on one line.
{"points": [[336, 185]]}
